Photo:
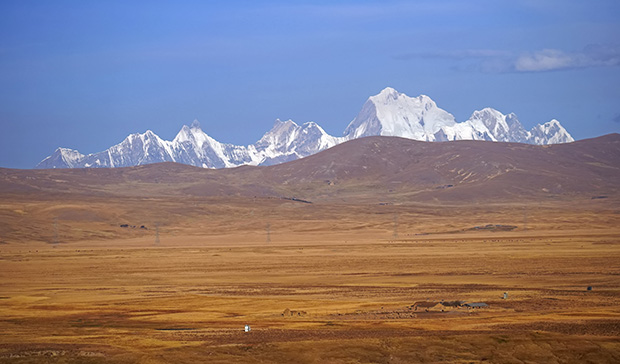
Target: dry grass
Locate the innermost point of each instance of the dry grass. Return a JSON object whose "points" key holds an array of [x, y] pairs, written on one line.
{"points": [[107, 294], [348, 267]]}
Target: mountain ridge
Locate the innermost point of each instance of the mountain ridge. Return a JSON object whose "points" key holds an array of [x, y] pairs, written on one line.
{"points": [[375, 169], [389, 113]]}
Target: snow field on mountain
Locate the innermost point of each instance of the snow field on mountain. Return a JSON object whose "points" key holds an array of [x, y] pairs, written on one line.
{"points": [[389, 113]]}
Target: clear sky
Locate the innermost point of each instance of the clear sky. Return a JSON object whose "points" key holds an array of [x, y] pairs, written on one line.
{"points": [[85, 74]]}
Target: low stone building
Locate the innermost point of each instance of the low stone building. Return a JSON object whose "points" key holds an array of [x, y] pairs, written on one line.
{"points": [[476, 305]]}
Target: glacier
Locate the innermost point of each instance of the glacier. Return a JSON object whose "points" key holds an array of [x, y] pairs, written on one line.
{"points": [[388, 113], [286, 141], [392, 113]]}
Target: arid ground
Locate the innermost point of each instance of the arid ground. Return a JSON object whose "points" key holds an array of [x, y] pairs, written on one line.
{"points": [[145, 266], [348, 276]]}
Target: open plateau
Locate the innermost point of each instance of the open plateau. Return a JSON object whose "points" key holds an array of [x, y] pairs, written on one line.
{"points": [[379, 249]]}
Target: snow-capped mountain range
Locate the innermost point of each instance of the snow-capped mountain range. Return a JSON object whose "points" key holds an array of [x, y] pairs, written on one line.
{"points": [[389, 113]]}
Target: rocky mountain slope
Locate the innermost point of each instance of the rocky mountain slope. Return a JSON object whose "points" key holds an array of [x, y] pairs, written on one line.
{"points": [[377, 169], [389, 113]]}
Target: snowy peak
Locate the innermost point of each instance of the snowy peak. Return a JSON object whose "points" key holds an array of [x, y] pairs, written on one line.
{"points": [[396, 114], [193, 135], [136, 149], [281, 134], [288, 141], [494, 120], [62, 158], [388, 92], [507, 128], [500, 127], [195, 147], [389, 96], [551, 132], [388, 113], [185, 134]]}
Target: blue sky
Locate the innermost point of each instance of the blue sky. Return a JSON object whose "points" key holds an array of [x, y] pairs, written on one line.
{"points": [[85, 74]]}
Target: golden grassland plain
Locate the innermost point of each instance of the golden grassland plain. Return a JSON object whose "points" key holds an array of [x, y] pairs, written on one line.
{"points": [[328, 283]]}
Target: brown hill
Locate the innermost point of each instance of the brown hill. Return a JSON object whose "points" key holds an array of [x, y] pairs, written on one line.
{"points": [[360, 185], [460, 171], [168, 263], [372, 168]]}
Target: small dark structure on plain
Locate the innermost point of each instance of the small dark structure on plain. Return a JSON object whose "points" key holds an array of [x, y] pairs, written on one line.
{"points": [[453, 303], [157, 234], [476, 305], [423, 305], [287, 312], [589, 288]]}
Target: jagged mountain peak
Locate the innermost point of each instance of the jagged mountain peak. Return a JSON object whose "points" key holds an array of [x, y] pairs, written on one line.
{"points": [[553, 123], [280, 125], [494, 121], [551, 132], [187, 132], [62, 158], [487, 112], [389, 91], [386, 95], [389, 96], [289, 127], [67, 151], [389, 113], [395, 114], [149, 134]]}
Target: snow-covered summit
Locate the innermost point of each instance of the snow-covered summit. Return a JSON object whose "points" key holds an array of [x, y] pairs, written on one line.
{"points": [[508, 128], [500, 127], [62, 158], [289, 141], [395, 114], [284, 142], [388, 113], [551, 132]]}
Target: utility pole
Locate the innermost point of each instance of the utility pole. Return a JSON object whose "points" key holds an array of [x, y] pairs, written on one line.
{"points": [[395, 234], [525, 218], [157, 233], [55, 240]]}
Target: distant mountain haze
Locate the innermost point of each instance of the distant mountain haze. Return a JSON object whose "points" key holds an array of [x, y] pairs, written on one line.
{"points": [[389, 113]]}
